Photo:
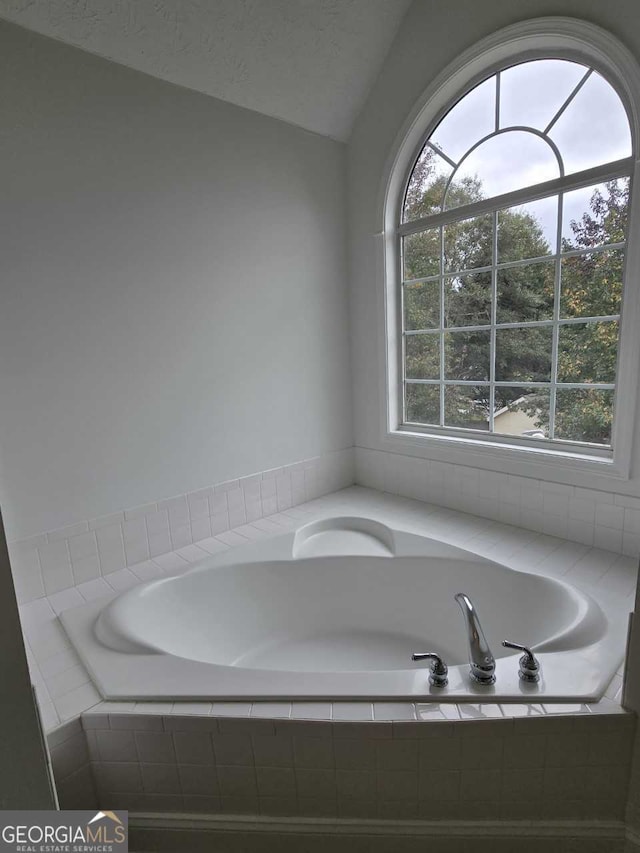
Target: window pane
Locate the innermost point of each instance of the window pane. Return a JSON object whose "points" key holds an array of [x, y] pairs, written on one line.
{"points": [[466, 407], [422, 403], [584, 415], [467, 299], [422, 305], [594, 128], [528, 231], [591, 285], [421, 254], [532, 93], [468, 243], [503, 163], [593, 216], [426, 186], [422, 356], [587, 352], [526, 293], [468, 121], [521, 411], [467, 355], [523, 354]]}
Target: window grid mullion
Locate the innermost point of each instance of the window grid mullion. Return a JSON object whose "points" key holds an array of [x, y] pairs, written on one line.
{"points": [[525, 324], [442, 326], [494, 314], [556, 322], [524, 262]]}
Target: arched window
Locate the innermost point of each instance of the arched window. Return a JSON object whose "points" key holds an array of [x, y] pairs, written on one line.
{"points": [[511, 243]]}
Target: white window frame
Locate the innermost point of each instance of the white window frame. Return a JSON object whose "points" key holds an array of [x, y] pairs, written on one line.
{"points": [[561, 38]]}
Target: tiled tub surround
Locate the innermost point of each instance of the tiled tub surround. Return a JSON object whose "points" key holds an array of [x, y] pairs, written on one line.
{"points": [[76, 555], [334, 610], [526, 772], [63, 685], [591, 517], [366, 762]]}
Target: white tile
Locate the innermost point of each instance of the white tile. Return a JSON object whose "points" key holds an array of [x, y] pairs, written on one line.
{"points": [[218, 502], [394, 711], [268, 488], [68, 679], [235, 499], [227, 486], [116, 745], [170, 562], [311, 710], [253, 511], [632, 521], [146, 571], [58, 663], [232, 538], [27, 576], [158, 708], [271, 709], [159, 543], [86, 569], [181, 536], [356, 711], [83, 546], [136, 544], [627, 501], [198, 504], [631, 544], [201, 528], [36, 613], [94, 589], [155, 747], [110, 548], [192, 553], [249, 531], [270, 506], [582, 510], [124, 579], [76, 701], [212, 545], [231, 709], [219, 522], [435, 711], [56, 566], [158, 522], [237, 515], [64, 600], [608, 538], [609, 515], [194, 708]]}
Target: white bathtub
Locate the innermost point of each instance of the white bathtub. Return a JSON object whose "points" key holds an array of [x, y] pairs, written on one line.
{"points": [[335, 611]]}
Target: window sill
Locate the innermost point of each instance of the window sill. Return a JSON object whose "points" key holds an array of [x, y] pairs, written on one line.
{"points": [[466, 446]]}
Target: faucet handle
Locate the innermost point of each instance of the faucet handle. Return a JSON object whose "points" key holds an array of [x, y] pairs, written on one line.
{"points": [[438, 671], [529, 665]]}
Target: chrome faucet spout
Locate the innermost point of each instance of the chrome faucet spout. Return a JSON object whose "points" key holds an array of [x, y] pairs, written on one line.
{"points": [[481, 661]]}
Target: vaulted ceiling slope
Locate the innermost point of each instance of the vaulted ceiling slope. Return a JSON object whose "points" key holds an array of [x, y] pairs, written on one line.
{"points": [[308, 62]]}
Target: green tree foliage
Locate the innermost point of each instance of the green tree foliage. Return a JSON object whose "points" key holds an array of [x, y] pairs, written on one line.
{"points": [[591, 287]]}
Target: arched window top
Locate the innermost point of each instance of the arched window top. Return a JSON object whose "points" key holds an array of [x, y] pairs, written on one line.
{"points": [[523, 126]]}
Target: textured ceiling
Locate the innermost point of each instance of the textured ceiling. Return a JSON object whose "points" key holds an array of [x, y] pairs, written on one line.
{"points": [[309, 62]]}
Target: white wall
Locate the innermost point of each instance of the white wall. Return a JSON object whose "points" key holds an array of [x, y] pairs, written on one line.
{"points": [[431, 36], [174, 300]]}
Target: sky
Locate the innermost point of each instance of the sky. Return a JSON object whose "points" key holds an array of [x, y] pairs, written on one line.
{"points": [[592, 129]]}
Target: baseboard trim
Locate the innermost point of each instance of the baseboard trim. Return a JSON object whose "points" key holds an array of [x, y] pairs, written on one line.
{"points": [[612, 830]]}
